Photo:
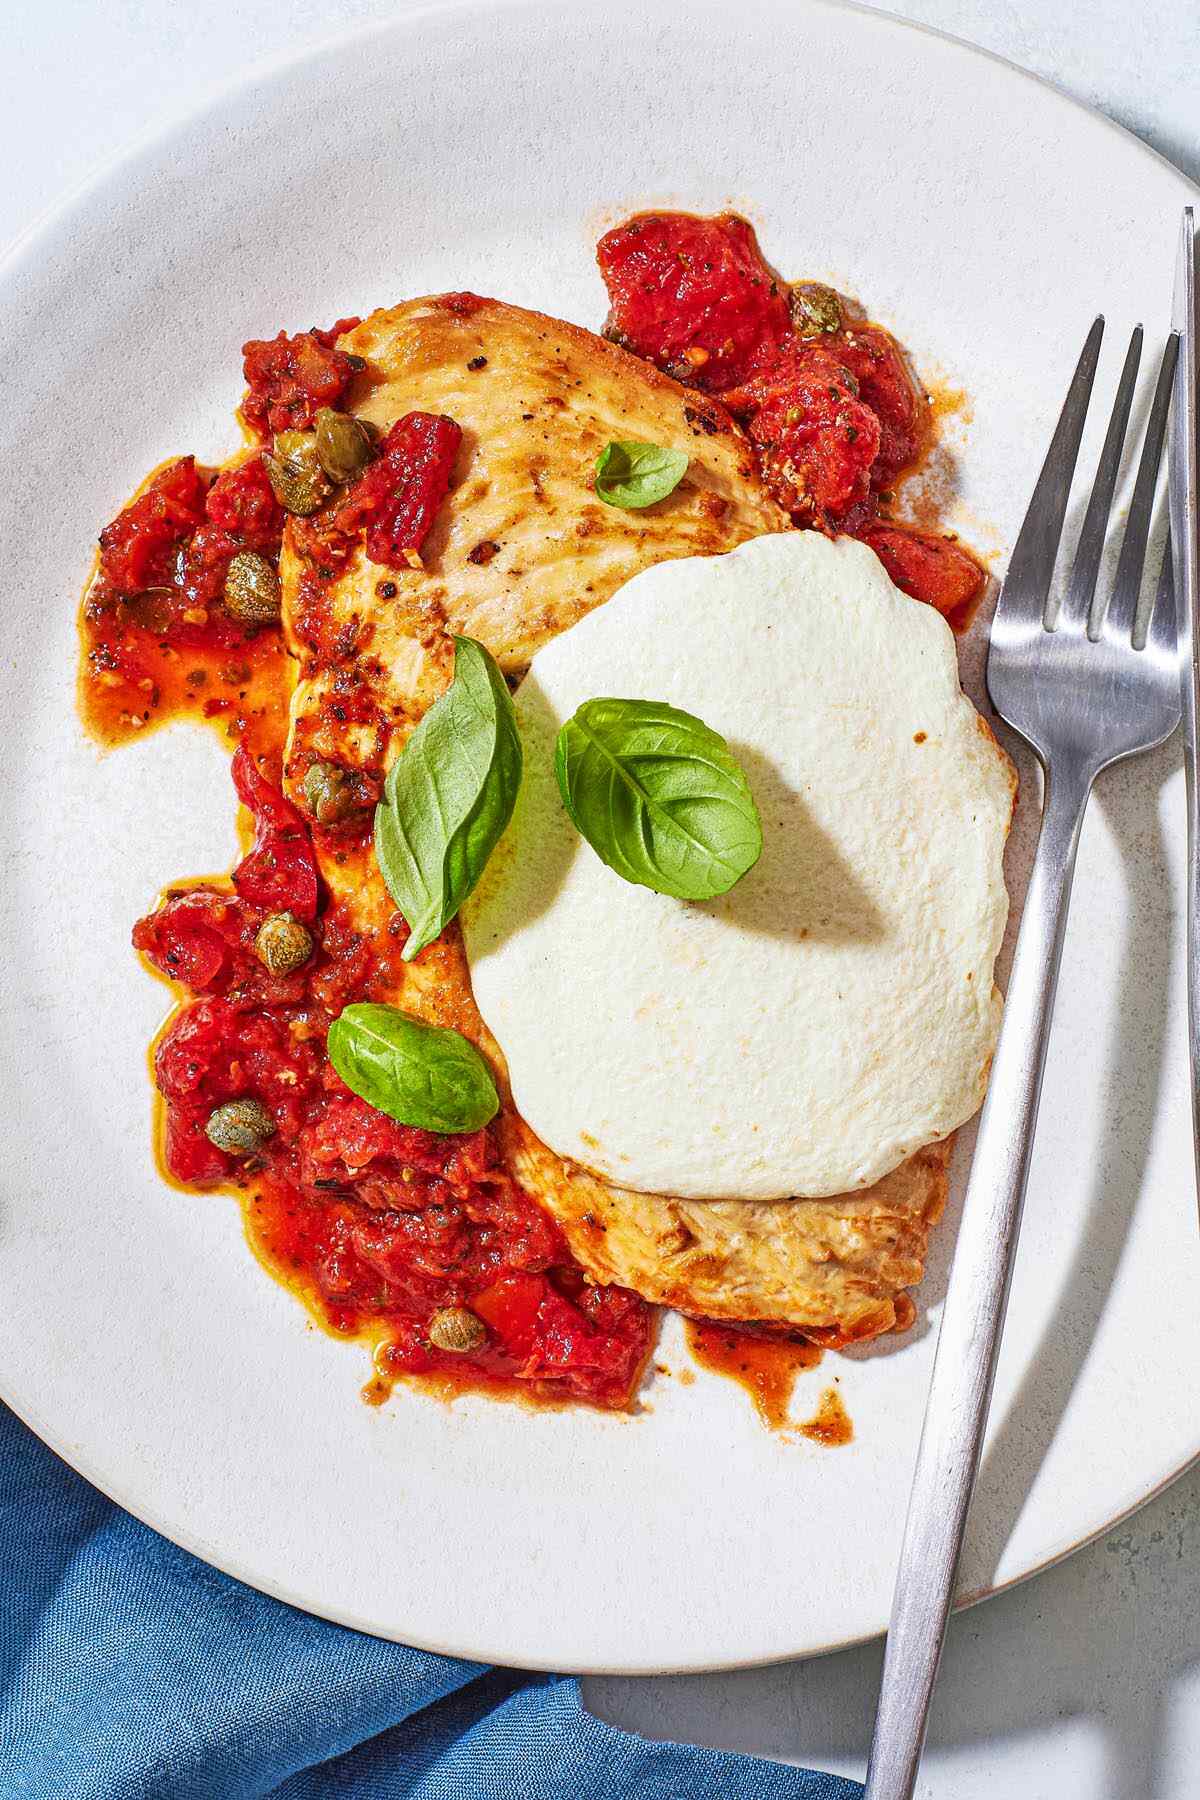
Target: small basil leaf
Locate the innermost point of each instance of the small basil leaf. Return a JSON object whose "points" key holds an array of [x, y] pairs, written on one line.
{"points": [[636, 475], [449, 796], [420, 1074], [658, 797]]}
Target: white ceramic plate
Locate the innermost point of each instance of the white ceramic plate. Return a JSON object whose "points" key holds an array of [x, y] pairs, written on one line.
{"points": [[986, 219]]}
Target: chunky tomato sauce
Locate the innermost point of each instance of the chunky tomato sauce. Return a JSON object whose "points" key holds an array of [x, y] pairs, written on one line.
{"points": [[828, 400], [379, 1225], [158, 642], [390, 1233], [288, 379]]}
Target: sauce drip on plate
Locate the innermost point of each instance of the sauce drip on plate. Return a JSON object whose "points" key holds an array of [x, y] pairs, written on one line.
{"points": [[830, 1424], [766, 1367]]}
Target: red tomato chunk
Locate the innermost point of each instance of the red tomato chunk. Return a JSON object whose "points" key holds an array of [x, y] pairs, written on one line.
{"points": [[932, 569], [290, 378], [280, 872], [694, 296], [241, 502], [816, 440], [405, 486], [874, 360], [381, 1224], [139, 549]]}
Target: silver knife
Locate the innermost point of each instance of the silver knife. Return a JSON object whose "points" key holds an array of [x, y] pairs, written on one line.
{"points": [[1185, 556]]}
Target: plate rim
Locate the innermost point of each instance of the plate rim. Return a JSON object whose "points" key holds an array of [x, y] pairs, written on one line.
{"points": [[195, 1545], [23, 251], [56, 210]]}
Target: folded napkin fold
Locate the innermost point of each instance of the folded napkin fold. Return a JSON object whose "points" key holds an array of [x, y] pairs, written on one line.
{"points": [[129, 1670]]}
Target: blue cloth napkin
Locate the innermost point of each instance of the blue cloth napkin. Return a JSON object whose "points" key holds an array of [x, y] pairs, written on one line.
{"points": [[131, 1671]]}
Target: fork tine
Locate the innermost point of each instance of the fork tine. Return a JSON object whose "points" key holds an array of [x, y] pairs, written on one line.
{"points": [[1090, 549], [1127, 582], [1160, 637], [1031, 567]]}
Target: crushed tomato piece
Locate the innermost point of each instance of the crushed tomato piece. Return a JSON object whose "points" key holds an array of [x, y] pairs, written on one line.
{"points": [[933, 569], [694, 296], [242, 502], [416, 460], [289, 378], [877, 364], [816, 440], [138, 550], [280, 872], [398, 497]]}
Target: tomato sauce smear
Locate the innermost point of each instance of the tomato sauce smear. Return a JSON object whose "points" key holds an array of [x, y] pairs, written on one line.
{"points": [[766, 1363]]}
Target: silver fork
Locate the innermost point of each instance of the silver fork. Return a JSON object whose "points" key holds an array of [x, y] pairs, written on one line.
{"points": [[1084, 689]]}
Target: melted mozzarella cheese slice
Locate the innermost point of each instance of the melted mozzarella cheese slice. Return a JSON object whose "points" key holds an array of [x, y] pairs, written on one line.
{"points": [[835, 1011]]}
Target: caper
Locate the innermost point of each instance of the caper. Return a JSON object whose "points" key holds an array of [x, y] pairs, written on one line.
{"points": [[815, 309], [295, 473], [331, 793], [282, 943], [240, 1127], [252, 590], [457, 1329], [343, 446]]}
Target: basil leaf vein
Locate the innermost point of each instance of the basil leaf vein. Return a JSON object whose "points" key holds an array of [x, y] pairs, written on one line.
{"points": [[449, 795], [423, 1075], [658, 796], [635, 475]]}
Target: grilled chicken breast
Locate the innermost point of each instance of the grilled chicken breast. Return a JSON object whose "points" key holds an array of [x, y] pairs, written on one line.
{"points": [[522, 548]]}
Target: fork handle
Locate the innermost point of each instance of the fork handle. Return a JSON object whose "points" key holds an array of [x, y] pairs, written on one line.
{"points": [[965, 1362]]}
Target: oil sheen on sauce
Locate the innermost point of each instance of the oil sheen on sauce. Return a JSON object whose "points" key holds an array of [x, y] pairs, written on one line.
{"points": [[767, 1368], [830, 1424]]}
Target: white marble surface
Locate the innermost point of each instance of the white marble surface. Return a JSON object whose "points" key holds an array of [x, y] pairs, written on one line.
{"points": [[1083, 1684]]}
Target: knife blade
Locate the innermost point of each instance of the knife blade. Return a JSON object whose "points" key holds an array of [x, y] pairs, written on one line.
{"points": [[1185, 556]]}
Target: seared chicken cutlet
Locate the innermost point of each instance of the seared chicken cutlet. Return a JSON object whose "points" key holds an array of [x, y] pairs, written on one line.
{"points": [[522, 548]]}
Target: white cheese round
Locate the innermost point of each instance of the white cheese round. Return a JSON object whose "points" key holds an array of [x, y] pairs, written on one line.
{"points": [[835, 1011]]}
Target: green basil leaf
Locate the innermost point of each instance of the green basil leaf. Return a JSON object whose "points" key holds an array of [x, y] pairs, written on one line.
{"points": [[636, 475], [658, 797], [420, 1074], [449, 796]]}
